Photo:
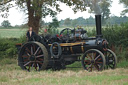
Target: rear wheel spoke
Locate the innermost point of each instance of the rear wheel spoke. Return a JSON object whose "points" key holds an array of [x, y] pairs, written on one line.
{"points": [[28, 50], [40, 59], [36, 66], [39, 62], [32, 66], [29, 67], [31, 50], [37, 50], [27, 63], [39, 56], [96, 66], [87, 62], [34, 49]]}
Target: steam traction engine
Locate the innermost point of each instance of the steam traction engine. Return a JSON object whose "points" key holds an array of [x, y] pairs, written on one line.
{"points": [[70, 45]]}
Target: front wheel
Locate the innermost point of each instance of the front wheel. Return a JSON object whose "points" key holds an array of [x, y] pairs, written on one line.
{"points": [[93, 60], [111, 59]]}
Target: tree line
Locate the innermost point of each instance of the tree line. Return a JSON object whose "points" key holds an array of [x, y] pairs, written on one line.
{"points": [[73, 22]]}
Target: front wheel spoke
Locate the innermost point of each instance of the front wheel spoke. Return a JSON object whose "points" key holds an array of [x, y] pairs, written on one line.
{"points": [[27, 63], [111, 66], [111, 57], [89, 66], [99, 59], [93, 56], [109, 54], [90, 56], [98, 62]]}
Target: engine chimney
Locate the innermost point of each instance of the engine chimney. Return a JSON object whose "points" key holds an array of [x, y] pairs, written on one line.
{"points": [[98, 25]]}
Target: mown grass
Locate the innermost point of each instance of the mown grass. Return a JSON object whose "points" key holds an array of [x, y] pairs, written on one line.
{"points": [[12, 74]]}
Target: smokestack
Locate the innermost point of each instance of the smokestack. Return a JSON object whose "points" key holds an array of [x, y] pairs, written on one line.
{"points": [[98, 25]]}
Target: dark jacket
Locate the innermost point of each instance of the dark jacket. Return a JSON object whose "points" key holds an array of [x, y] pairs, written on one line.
{"points": [[28, 35]]}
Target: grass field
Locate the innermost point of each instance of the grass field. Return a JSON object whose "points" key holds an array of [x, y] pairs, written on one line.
{"points": [[12, 33], [11, 74], [18, 32]]}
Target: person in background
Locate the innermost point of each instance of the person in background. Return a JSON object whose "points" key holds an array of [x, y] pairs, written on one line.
{"points": [[30, 33]]}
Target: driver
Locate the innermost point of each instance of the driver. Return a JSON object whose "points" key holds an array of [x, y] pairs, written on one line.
{"points": [[30, 33]]}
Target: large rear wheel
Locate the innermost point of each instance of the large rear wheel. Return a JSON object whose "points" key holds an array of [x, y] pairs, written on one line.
{"points": [[93, 60], [33, 56]]}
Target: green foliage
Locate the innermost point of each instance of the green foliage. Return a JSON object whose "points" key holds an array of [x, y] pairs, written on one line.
{"points": [[7, 61], [117, 20], [125, 2], [117, 35], [67, 22], [74, 23], [53, 31], [6, 24], [91, 21], [123, 64], [8, 48], [54, 23], [121, 53], [105, 10]]}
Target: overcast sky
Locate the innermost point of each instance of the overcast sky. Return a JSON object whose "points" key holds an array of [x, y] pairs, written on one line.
{"points": [[16, 17]]}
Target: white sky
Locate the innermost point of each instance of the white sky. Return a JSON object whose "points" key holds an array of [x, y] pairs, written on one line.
{"points": [[16, 17]]}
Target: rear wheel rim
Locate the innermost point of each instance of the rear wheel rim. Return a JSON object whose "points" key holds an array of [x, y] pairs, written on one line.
{"points": [[31, 57]]}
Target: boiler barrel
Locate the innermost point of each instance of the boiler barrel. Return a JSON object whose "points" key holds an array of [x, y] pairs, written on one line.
{"points": [[81, 48]]}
